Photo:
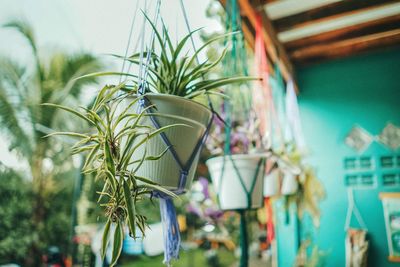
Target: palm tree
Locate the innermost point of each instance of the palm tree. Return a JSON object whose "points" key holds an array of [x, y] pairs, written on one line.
{"points": [[25, 122]]}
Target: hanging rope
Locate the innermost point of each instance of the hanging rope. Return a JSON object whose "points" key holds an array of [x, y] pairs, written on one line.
{"points": [[237, 56], [143, 68], [352, 208], [129, 42], [244, 246]]}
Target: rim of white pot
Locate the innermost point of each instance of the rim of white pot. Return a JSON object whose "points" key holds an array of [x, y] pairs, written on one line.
{"points": [[179, 98], [241, 156]]}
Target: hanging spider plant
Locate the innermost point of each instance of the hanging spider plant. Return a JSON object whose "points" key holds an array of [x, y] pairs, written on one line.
{"points": [[110, 155], [172, 71]]}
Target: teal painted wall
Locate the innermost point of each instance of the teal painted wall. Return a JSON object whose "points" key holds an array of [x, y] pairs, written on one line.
{"points": [[363, 90]]}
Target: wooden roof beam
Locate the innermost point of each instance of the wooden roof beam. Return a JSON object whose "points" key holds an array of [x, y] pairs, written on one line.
{"points": [[347, 47], [275, 49], [358, 30], [327, 12]]}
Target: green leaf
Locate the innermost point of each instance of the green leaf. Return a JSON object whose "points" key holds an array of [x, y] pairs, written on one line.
{"points": [[106, 73], [117, 245], [130, 207], [104, 240], [150, 184], [109, 158], [70, 110], [90, 156], [111, 178], [70, 134]]}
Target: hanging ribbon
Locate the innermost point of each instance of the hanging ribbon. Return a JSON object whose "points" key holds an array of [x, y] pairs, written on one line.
{"points": [[263, 100], [294, 130], [172, 239], [270, 222]]}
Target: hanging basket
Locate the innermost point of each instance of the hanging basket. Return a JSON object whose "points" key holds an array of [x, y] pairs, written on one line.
{"points": [[271, 183], [238, 180], [171, 109]]}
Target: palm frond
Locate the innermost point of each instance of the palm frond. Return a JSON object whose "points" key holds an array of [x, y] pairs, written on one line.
{"points": [[10, 123], [27, 32]]}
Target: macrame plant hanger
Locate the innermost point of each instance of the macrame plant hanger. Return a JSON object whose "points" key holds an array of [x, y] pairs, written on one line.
{"points": [[167, 210], [232, 60]]}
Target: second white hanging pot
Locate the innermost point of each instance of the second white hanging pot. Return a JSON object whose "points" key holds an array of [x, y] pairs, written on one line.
{"points": [[238, 180]]}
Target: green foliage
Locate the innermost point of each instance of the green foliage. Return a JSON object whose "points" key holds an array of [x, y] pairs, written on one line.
{"points": [[192, 258], [24, 122], [16, 234], [175, 73], [112, 156], [172, 71]]}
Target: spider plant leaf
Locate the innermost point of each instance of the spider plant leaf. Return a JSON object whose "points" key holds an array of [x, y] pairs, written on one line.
{"points": [[130, 208], [95, 118], [181, 44], [70, 134], [151, 158], [126, 159], [124, 113], [156, 32], [212, 84], [70, 110], [141, 160], [114, 89], [219, 94], [104, 191], [167, 39], [206, 44], [117, 245], [152, 71], [179, 75], [82, 149], [91, 156], [104, 240], [135, 56], [109, 158], [208, 67], [106, 73], [155, 187], [112, 180], [160, 130], [102, 97]]}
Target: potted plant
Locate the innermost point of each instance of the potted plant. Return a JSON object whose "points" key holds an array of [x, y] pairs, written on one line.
{"points": [[137, 149], [112, 156], [237, 177], [175, 87]]}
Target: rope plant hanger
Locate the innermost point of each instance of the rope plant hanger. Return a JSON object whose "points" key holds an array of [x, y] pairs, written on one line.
{"points": [[186, 81], [168, 214], [241, 173]]}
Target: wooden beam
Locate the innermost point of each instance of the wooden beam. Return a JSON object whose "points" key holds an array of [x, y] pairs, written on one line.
{"points": [[327, 12], [353, 31], [275, 49], [249, 35], [347, 47]]}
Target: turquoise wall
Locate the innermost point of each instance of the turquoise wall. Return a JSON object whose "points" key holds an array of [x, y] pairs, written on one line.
{"points": [[363, 90]]}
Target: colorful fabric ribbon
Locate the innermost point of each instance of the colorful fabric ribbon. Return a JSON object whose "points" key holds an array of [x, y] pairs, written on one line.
{"points": [[172, 237]]}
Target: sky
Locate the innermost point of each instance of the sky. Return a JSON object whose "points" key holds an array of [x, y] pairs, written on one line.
{"points": [[98, 26]]}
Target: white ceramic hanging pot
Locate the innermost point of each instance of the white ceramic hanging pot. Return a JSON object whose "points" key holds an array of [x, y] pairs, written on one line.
{"points": [[271, 183], [234, 193], [289, 183], [173, 110]]}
